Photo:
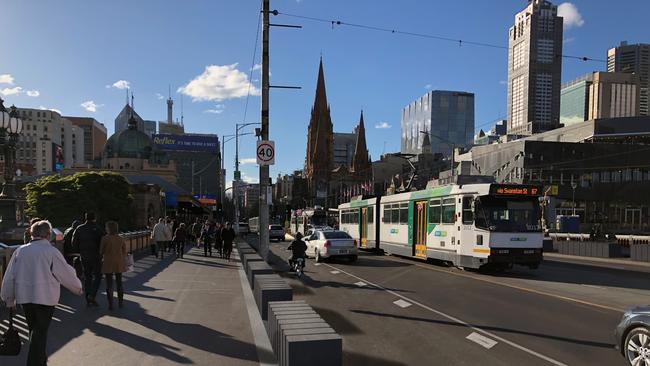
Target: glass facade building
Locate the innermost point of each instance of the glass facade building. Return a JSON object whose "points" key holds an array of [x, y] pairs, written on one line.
{"points": [[574, 100], [445, 114]]}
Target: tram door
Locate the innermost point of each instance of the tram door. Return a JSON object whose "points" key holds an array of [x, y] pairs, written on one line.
{"points": [[363, 228], [420, 230]]}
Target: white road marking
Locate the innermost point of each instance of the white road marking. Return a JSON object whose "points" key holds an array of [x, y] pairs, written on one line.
{"points": [[335, 272], [361, 284], [476, 329], [483, 341], [317, 264], [592, 286], [402, 304]]}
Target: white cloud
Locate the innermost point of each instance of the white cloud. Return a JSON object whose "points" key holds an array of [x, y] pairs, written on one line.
{"points": [[160, 96], [257, 67], [91, 106], [571, 15], [248, 161], [6, 79], [428, 86], [248, 179], [218, 83], [503, 82], [50, 109], [383, 125], [120, 84], [218, 109], [11, 91], [568, 40], [33, 93]]}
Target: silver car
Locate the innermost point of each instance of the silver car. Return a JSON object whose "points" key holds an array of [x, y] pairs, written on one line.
{"points": [[633, 336], [323, 244]]}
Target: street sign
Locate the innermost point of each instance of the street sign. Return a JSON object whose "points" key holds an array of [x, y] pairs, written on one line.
{"points": [[265, 152]]}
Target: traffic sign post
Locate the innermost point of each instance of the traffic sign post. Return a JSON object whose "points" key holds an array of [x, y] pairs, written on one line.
{"points": [[265, 152]]}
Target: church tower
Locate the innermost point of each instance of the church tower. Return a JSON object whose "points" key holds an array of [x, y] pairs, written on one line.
{"points": [[361, 165], [318, 162]]}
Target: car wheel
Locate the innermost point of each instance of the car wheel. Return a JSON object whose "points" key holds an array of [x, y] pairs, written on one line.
{"points": [[354, 258], [637, 345], [317, 256]]}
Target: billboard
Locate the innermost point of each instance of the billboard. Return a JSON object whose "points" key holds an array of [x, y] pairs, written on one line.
{"points": [[206, 199], [200, 143], [58, 162]]}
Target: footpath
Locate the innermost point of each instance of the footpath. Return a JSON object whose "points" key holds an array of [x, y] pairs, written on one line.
{"points": [[194, 310]]}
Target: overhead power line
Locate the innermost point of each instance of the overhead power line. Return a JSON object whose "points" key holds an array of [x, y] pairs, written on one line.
{"points": [[460, 42], [250, 73]]}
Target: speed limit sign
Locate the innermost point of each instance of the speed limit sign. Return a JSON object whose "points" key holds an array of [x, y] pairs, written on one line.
{"points": [[265, 152]]}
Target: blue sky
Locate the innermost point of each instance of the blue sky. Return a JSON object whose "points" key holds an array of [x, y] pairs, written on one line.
{"points": [[74, 56]]}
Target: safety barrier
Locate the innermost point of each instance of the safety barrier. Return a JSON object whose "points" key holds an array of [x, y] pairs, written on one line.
{"points": [[589, 249], [620, 239], [295, 330], [640, 252]]}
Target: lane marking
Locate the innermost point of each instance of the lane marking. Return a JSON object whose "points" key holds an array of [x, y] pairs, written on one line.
{"points": [[481, 340], [361, 284], [402, 304], [317, 264], [335, 272], [538, 292], [456, 320]]}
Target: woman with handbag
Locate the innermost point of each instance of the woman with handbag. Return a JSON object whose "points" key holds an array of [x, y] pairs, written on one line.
{"points": [[33, 280], [114, 257]]}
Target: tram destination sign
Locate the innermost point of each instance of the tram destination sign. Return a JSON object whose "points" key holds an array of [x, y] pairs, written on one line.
{"points": [[515, 190]]}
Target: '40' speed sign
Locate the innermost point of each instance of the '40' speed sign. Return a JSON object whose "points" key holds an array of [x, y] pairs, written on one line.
{"points": [[265, 152]]}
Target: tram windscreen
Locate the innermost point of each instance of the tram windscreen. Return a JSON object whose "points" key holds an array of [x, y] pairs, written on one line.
{"points": [[506, 214], [318, 219]]}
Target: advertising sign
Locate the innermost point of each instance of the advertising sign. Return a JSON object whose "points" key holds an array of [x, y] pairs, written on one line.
{"points": [[58, 162], [200, 143], [206, 199]]}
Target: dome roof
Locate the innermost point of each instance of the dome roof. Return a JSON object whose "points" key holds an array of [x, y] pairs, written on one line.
{"points": [[129, 143]]}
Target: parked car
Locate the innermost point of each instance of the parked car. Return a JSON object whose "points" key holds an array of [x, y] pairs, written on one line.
{"points": [[276, 232], [244, 228], [323, 244], [633, 335]]}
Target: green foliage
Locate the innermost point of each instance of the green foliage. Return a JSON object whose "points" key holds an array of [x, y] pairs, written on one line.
{"points": [[64, 199]]}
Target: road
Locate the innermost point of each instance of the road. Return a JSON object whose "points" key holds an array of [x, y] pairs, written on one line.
{"points": [[397, 311]]}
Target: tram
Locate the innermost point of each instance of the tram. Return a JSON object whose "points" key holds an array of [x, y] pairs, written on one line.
{"points": [[468, 226], [302, 220]]}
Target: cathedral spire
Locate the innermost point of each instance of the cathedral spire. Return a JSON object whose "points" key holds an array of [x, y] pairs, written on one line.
{"points": [[361, 160], [320, 101]]}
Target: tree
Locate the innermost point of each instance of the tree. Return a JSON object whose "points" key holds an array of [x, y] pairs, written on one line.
{"points": [[64, 199]]}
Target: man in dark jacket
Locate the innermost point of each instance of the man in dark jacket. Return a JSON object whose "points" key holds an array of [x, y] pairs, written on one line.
{"points": [[228, 236], [87, 238], [68, 248], [298, 249]]}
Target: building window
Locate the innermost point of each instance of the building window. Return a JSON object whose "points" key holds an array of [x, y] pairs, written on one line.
{"points": [[545, 51], [518, 92]]}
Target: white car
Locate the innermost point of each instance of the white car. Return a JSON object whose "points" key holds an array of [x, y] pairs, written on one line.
{"points": [[323, 244]]}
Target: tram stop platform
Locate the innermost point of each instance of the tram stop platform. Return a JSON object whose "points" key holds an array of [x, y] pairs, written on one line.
{"points": [[195, 310]]}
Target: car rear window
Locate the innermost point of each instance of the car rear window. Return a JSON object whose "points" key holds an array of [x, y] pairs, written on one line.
{"points": [[276, 227], [336, 235]]}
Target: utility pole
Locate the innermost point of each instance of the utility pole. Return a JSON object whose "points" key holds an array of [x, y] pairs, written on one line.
{"points": [[264, 169]]}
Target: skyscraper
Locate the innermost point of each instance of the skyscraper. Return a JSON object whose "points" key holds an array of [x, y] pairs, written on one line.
{"points": [[633, 59], [534, 69], [443, 114]]}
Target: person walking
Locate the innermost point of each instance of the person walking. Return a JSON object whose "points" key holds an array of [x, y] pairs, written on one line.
{"points": [[158, 237], [196, 231], [113, 250], [169, 234], [208, 236], [33, 280], [228, 236], [87, 238], [68, 249], [27, 235], [218, 241], [180, 237]]}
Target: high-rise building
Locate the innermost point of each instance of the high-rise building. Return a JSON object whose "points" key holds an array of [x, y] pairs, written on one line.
{"points": [[448, 116], [94, 137], [344, 144], [613, 94], [574, 100], [633, 59], [534, 69], [49, 143]]}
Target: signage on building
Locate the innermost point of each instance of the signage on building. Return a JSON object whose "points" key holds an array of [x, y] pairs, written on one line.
{"points": [[265, 152], [206, 199], [58, 161], [197, 143], [515, 190]]}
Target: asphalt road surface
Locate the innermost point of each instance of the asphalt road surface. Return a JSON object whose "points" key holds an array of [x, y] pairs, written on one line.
{"points": [[397, 311]]}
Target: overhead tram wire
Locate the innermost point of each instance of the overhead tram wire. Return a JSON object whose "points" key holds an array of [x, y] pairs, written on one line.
{"points": [[250, 73], [460, 42]]}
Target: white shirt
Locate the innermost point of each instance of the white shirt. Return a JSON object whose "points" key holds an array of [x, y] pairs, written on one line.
{"points": [[34, 275], [161, 232]]}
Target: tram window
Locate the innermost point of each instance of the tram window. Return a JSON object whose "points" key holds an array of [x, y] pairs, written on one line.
{"points": [[434, 212], [387, 214], [394, 214], [448, 211], [370, 216], [468, 214], [404, 213]]}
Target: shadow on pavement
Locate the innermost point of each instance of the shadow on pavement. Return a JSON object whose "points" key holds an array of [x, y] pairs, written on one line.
{"points": [[488, 327], [354, 358], [337, 321]]}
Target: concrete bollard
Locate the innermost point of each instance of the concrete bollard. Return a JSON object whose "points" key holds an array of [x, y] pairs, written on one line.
{"points": [[257, 268], [269, 288], [250, 257], [301, 348]]}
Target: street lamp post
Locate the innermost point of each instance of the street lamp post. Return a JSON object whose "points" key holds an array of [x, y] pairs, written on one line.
{"points": [[10, 128], [235, 192]]}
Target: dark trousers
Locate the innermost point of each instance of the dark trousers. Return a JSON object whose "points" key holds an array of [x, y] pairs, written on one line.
{"points": [[180, 247], [38, 321], [92, 276], [227, 249], [109, 287], [218, 246], [207, 247]]}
